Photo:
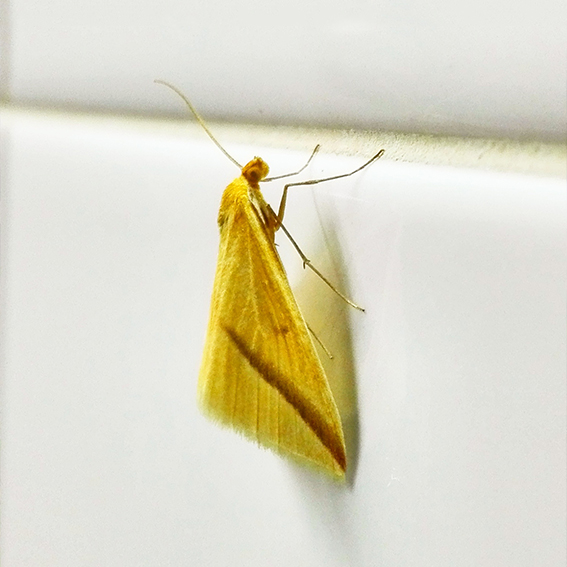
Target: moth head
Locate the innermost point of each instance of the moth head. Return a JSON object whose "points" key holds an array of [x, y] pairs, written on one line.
{"points": [[256, 170]]}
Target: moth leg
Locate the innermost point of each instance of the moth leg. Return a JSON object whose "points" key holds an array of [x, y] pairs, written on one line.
{"points": [[321, 344], [281, 209], [315, 150], [307, 262]]}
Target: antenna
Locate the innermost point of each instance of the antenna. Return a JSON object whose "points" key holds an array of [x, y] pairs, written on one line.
{"points": [[199, 119]]}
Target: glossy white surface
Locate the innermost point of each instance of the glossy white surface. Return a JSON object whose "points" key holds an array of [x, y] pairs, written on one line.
{"points": [[468, 68], [108, 254]]}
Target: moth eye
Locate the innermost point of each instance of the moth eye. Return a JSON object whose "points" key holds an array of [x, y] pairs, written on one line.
{"points": [[254, 175]]}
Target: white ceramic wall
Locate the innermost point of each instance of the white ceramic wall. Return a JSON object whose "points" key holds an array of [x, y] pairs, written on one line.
{"points": [[486, 67], [457, 417]]}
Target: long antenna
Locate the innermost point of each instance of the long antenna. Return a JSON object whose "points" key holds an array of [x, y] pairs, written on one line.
{"points": [[199, 120]]}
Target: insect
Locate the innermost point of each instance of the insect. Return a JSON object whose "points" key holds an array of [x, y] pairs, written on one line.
{"points": [[260, 373]]}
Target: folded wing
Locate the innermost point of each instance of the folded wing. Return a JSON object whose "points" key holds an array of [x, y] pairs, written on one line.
{"points": [[260, 372]]}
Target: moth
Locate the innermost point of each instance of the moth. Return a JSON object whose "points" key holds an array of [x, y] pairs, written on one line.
{"points": [[260, 373]]}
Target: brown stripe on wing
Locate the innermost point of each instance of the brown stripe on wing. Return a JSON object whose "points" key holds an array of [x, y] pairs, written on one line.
{"points": [[308, 411]]}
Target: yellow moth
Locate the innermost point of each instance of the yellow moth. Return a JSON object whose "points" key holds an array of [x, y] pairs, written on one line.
{"points": [[260, 372]]}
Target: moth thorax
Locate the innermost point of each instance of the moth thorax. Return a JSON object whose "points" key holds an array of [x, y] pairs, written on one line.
{"points": [[256, 170]]}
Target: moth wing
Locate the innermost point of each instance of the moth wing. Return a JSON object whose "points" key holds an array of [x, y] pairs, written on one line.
{"points": [[260, 372]]}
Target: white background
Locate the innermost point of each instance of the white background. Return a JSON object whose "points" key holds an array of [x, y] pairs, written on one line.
{"points": [[484, 68], [456, 410]]}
